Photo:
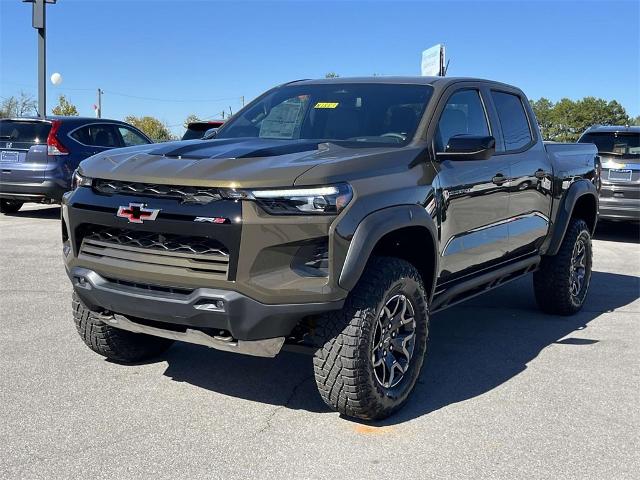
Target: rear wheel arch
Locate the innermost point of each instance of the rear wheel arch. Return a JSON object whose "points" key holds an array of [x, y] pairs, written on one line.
{"points": [[405, 232], [580, 201]]}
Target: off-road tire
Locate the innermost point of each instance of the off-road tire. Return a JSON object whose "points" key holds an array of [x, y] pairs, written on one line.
{"points": [[10, 206], [552, 281], [343, 367], [114, 343]]}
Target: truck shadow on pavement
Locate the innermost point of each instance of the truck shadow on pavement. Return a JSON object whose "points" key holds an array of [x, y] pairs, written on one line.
{"points": [[52, 211], [618, 231], [473, 348]]}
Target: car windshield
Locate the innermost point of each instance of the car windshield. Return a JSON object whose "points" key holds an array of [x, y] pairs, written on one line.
{"points": [[355, 113], [616, 143]]}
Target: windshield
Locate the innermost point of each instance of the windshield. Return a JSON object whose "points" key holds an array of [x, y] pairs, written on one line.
{"points": [[350, 112], [617, 143]]}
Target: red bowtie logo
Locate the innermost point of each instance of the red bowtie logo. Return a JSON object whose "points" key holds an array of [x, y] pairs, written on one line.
{"points": [[137, 213]]}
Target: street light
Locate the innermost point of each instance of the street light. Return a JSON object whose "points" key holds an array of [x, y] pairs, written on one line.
{"points": [[39, 22]]}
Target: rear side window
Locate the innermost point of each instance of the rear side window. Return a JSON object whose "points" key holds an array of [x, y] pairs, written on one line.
{"points": [[97, 135], [513, 120], [463, 115], [24, 132]]}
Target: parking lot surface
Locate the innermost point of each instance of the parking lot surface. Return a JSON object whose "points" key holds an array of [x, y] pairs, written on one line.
{"points": [[506, 392]]}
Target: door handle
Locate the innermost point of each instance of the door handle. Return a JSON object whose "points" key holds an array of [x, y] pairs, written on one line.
{"points": [[499, 179]]}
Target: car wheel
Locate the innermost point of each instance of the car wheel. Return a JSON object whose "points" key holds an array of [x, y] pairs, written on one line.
{"points": [[114, 343], [562, 281], [10, 206], [371, 352]]}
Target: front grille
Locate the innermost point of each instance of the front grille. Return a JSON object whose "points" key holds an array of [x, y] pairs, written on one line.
{"points": [[183, 193], [165, 254]]}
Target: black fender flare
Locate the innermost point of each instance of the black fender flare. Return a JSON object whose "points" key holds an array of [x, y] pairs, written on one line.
{"points": [[565, 210], [375, 226]]}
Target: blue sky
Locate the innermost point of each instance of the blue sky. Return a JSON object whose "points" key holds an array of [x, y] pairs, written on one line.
{"points": [[170, 58]]}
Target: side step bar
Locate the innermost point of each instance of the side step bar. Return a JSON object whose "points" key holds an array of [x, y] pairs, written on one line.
{"points": [[488, 281], [269, 347]]}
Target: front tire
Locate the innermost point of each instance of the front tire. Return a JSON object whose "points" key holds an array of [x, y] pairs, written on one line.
{"points": [[371, 352], [562, 282], [10, 206], [114, 343]]}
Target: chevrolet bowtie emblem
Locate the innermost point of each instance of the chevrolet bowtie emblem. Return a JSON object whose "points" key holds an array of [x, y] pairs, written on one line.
{"points": [[137, 213]]}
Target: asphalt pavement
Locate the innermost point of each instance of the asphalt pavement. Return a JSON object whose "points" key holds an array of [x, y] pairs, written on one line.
{"points": [[507, 392]]}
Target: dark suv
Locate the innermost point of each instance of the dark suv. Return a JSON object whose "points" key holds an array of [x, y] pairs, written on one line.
{"points": [[38, 157], [619, 151]]}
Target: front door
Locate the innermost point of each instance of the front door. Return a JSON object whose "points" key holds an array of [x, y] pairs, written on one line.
{"points": [[474, 193]]}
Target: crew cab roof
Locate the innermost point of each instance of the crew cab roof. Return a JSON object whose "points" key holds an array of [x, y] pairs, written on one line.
{"points": [[411, 80]]}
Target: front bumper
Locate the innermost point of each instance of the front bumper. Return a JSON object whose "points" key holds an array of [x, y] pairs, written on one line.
{"points": [[204, 308], [49, 190]]}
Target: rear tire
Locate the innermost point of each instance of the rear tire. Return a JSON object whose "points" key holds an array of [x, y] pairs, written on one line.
{"points": [[114, 343], [357, 370], [562, 281], [10, 206]]}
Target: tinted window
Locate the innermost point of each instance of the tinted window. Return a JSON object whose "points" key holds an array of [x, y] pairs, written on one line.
{"points": [[463, 115], [513, 120], [339, 112], [193, 133], [25, 132], [616, 143], [97, 135], [130, 138]]}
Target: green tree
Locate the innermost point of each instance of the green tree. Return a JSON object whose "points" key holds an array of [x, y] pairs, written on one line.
{"points": [[636, 121], [154, 128], [18, 106], [191, 118], [65, 107], [331, 75], [543, 109], [565, 120]]}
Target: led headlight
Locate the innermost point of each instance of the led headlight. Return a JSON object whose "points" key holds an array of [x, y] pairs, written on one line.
{"points": [[80, 181], [326, 200]]}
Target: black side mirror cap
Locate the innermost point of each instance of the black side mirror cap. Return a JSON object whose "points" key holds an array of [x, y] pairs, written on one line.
{"points": [[469, 147]]}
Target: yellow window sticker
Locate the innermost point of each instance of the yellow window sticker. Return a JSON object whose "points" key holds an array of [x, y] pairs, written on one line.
{"points": [[326, 105]]}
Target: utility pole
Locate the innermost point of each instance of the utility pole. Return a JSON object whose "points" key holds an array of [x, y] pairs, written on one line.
{"points": [[99, 105], [38, 21], [242, 100]]}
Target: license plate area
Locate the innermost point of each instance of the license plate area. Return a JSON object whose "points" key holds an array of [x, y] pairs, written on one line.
{"points": [[619, 175], [9, 156]]}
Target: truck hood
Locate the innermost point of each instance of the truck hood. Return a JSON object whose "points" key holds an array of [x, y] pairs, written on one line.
{"points": [[237, 163]]}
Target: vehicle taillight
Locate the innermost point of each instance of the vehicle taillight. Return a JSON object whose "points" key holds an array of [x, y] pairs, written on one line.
{"points": [[54, 145]]}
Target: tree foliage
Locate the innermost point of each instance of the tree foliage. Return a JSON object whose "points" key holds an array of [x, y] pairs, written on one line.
{"points": [[331, 75], [65, 107], [154, 128], [18, 106], [191, 118], [565, 120]]}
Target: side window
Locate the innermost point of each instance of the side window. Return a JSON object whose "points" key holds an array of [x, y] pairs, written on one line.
{"points": [[97, 135], [130, 137], [513, 120], [462, 115]]}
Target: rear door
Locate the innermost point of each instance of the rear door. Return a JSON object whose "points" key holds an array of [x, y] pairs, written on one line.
{"points": [[23, 150], [531, 172], [94, 138], [475, 198]]}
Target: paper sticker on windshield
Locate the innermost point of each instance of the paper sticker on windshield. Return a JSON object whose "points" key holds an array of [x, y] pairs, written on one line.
{"points": [[326, 105]]}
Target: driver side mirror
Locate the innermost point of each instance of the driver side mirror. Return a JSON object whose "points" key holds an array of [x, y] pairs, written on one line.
{"points": [[468, 147]]}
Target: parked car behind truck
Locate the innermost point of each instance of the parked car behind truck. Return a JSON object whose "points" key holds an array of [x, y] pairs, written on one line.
{"points": [[619, 150], [335, 215], [38, 156]]}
